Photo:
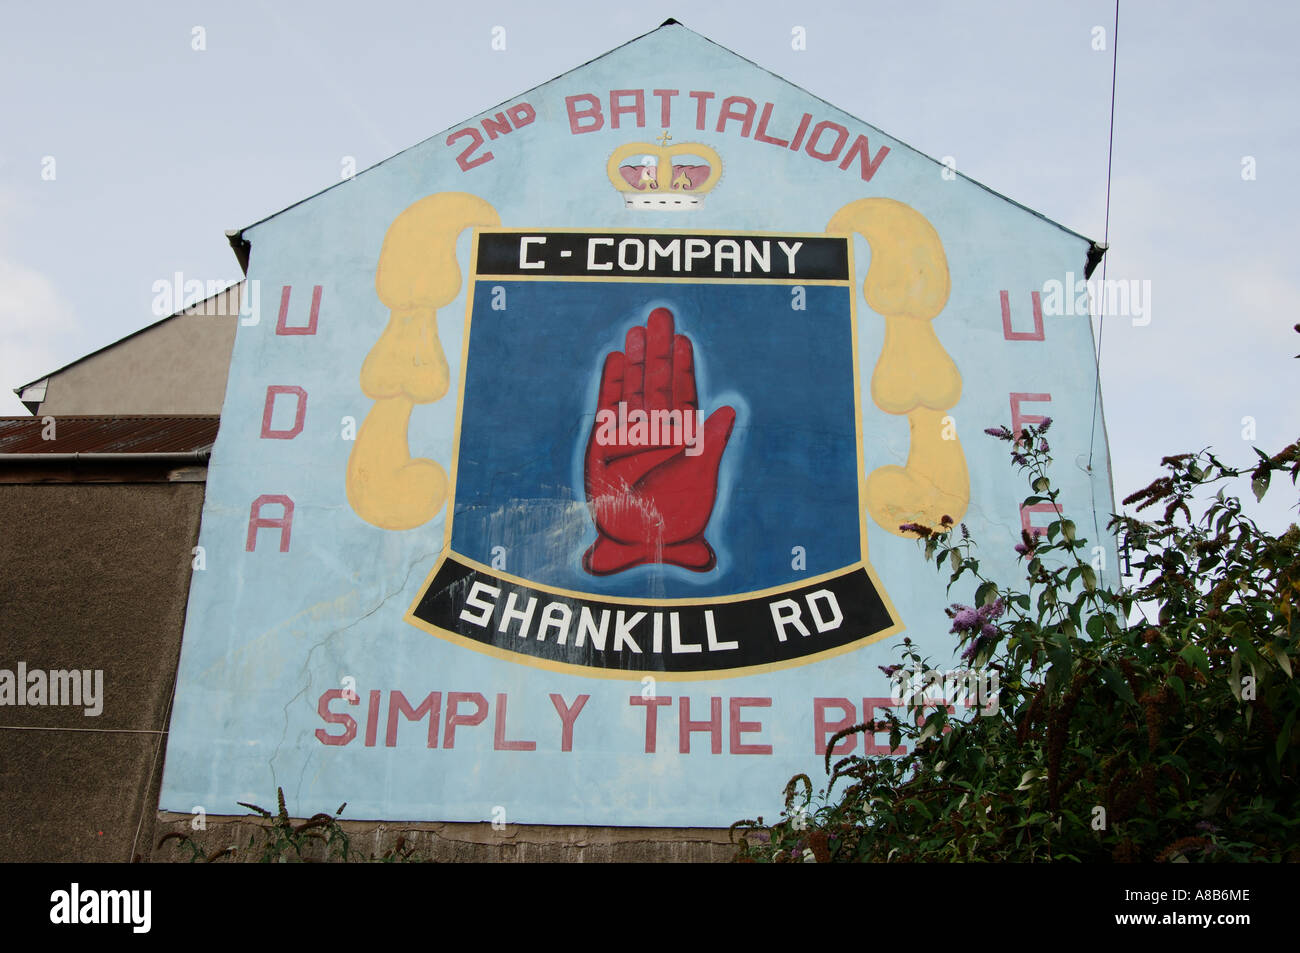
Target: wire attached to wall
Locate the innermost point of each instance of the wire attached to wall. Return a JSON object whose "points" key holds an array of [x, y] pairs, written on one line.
{"points": [[1101, 317], [1110, 158]]}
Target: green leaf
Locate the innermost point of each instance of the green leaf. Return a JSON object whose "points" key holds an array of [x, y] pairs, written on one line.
{"points": [[954, 559], [1282, 660], [1041, 484], [1089, 578], [1116, 683], [1195, 655], [920, 806], [1259, 485], [986, 593], [1067, 529], [1029, 776], [1284, 736], [1180, 688]]}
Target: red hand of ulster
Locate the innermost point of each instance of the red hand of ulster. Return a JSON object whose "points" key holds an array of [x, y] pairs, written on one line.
{"points": [[651, 469]]}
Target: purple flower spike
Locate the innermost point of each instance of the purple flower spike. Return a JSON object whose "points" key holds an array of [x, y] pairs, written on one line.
{"points": [[965, 619]]}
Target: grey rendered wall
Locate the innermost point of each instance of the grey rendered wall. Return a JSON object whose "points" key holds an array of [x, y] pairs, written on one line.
{"points": [[178, 366], [92, 577]]}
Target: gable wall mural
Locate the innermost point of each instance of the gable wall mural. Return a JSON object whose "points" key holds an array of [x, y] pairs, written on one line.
{"points": [[565, 483]]}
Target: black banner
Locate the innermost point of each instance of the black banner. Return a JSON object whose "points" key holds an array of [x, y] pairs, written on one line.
{"points": [[744, 256], [707, 636], [1162, 905]]}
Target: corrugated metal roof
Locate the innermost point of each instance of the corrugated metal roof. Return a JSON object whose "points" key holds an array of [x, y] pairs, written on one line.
{"points": [[109, 433]]}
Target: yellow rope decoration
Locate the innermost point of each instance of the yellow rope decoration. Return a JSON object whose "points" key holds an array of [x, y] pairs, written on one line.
{"points": [[907, 284], [417, 275]]}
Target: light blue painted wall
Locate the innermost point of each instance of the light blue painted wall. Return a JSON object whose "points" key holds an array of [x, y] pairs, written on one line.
{"points": [[268, 632]]}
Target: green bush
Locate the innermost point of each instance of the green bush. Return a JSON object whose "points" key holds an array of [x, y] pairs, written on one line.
{"points": [[1155, 722]]}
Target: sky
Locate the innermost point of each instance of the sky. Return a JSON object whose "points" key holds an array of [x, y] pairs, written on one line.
{"points": [[134, 135]]}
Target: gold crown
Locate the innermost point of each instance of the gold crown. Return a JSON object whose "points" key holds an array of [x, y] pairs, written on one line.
{"points": [[646, 185]]}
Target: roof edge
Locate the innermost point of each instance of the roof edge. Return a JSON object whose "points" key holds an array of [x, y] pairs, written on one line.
{"points": [[126, 337], [238, 234]]}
